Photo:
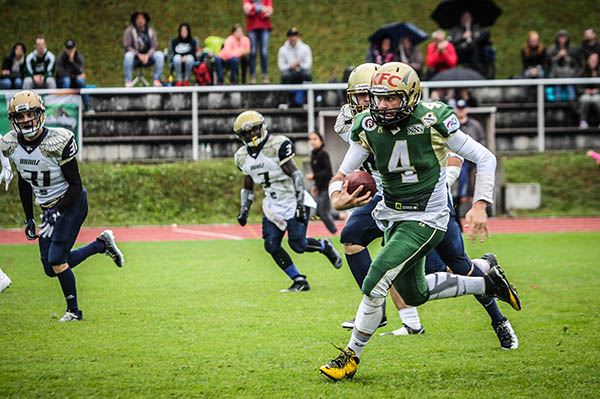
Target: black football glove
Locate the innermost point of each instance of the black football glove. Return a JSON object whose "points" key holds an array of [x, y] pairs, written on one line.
{"points": [[30, 230], [301, 213], [242, 217]]}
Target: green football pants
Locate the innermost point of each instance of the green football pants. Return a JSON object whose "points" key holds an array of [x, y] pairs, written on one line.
{"points": [[401, 262]]}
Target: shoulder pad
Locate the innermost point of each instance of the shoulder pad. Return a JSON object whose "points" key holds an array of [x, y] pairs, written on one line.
{"points": [[9, 143], [55, 141], [240, 156], [271, 148]]}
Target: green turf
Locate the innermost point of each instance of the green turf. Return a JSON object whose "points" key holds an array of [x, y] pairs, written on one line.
{"points": [[205, 319]]}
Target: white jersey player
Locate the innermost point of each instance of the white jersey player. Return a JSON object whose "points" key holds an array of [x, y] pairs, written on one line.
{"points": [[269, 161]]}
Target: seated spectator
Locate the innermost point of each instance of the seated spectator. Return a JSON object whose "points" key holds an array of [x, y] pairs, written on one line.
{"points": [[259, 27], [183, 48], [564, 62], [410, 55], [69, 71], [235, 49], [382, 52], [590, 44], [39, 67], [13, 68], [295, 60], [533, 56], [441, 54], [140, 42], [463, 93], [589, 102]]}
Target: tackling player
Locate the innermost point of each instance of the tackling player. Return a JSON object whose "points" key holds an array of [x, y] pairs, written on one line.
{"points": [[269, 161], [47, 168], [408, 138]]}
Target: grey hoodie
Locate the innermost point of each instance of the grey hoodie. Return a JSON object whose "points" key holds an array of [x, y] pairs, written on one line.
{"points": [[288, 54]]}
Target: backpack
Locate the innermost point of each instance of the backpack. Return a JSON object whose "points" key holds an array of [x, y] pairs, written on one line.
{"points": [[202, 74]]}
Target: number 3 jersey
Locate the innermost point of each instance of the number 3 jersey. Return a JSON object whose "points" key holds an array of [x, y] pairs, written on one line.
{"points": [[39, 161], [265, 169]]}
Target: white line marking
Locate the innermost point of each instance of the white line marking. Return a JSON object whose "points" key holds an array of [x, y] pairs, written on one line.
{"points": [[207, 234]]}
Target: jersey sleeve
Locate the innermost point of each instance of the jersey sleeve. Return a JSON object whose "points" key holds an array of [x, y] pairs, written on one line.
{"points": [[286, 151], [8, 143], [447, 121], [69, 151], [363, 123], [239, 159]]}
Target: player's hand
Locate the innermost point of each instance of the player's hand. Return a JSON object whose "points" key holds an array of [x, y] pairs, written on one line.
{"points": [[242, 217], [30, 230], [476, 222], [6, 175], [344, 200], [49, 218], [300, 213]]}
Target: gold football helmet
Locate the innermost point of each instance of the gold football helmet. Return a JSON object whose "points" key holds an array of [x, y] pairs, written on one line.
{"points": [[251, 128], [394, 79], [359, 82], [27, 113]]}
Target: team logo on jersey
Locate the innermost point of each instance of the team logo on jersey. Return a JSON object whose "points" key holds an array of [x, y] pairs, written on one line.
{"points": [[451, 123], [368, 124], [415, 129], [429, 119]]}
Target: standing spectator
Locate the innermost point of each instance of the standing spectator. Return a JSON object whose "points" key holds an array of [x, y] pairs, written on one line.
{"points": [[236, 47], [139, 41], [469, 40], [564, 63], [590, 44], [183, 48], [321, 174], [69, 71], [13, 68], [589, 102], [39, 67], [295, 60], [259, 27], [410, 55], [533, 56], [382, 52], [441, 54]]}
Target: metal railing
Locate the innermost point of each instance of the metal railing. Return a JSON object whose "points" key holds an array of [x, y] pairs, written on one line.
{"points": [[310, 88]]}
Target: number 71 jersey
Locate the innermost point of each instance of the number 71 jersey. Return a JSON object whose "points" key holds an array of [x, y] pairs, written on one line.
{"points": [[265, 169]]}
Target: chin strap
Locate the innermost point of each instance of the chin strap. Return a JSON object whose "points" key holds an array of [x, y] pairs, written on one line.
{"points": [[299, 186]]}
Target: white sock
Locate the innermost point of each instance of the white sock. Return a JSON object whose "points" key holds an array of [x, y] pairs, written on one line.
{"points": [[483, 264], [410, 317], [446, 285], [368, 317], [358, 342]]}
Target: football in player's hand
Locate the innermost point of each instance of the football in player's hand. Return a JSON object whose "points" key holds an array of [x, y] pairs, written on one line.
{"points": [[358, 178]]}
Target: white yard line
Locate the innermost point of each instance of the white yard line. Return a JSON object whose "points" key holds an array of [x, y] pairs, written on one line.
{"points": [[207, 234]]}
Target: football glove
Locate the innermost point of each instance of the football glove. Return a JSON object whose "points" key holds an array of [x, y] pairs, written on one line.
{"points": [[49, 218], [301, 213], [242, 217], [30, 230]]}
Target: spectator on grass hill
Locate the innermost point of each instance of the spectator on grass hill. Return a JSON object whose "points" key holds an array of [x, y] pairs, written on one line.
{"points": [[411, 55], [39, 67], [183, 48], [13, 68], [294, 59], [235, 50], [589, 102], [258, 27], [564, 63], [140, 42], [321, 174], [441, 54], [469, 40], [382, 52], [590, 44], [533, 56], [69, 71]]}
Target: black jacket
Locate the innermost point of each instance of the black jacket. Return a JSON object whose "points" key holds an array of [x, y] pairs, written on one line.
{"points": [[321, 168], [66, 68]]}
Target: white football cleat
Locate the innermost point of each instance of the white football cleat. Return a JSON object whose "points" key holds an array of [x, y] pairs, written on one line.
{"points": [[405, 330], [111, 249], [72, 316]]}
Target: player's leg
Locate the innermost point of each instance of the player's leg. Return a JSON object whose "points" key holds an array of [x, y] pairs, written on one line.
{"points": [[272, 237], [300, 243]]}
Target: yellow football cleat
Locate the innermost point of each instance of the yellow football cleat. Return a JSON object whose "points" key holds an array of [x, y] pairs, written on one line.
{"points": [[343, 366]]}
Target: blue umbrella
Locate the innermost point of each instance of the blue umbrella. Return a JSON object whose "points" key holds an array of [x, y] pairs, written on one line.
{"points": [[396, 31]]}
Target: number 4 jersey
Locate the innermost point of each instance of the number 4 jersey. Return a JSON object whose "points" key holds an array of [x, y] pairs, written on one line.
{"points": [[39, 161]]}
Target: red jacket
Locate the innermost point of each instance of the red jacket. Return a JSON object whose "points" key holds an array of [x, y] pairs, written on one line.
{"points": [[258, 20], [441, 61]]}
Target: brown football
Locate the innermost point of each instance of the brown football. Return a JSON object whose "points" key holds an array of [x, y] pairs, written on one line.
{"points": [[359, 177]]}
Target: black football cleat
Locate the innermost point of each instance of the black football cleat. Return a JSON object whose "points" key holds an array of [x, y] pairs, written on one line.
{"points": [[300, 284], [332, 254], [497, 285]]}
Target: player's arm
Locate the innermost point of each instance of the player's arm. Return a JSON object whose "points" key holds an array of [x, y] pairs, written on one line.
{"points": [[290, 169], [338, 190], [6, 174], [26, 196], [455, 162], [247, 196], [465, 146], [343, 122], [70, 171]]}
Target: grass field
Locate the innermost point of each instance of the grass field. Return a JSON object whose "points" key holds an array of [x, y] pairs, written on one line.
{"points": [[205, 319]]}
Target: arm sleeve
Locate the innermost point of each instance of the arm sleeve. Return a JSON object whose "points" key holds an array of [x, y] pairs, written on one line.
{"points": [[70, 171], [128, 42], [469, 149], [355, 156], [343, 123], [26, 196], [286, 152]]}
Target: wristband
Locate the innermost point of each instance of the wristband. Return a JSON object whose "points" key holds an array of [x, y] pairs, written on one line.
{"points": [[335, 186]]}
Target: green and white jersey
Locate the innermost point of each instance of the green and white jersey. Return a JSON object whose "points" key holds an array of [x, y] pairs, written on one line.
{"points": [[411, 159]]}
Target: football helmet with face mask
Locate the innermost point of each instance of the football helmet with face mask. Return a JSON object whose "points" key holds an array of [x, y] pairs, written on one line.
{"points": [[394, 79], [27, 113], [251, 128], [359, 82]]}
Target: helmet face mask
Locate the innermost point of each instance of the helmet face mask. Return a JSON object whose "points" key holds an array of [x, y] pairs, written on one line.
{"points": [[359, 82], [27, 113], [250, 127]]}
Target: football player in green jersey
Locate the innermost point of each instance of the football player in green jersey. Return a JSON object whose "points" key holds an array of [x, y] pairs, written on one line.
{"points": [[409, 139]]}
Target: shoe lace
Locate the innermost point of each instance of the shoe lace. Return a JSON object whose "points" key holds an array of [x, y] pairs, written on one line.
{"points": [[503, 333], [342, 359]]}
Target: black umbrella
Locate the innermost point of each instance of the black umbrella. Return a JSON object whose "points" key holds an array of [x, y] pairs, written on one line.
{"points": [[396, 31], [458, 74], [447, 14]]}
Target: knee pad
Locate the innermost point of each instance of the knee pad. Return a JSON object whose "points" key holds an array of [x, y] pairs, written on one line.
{"points": [[297, 246], [271, 246], [369, 314], [48, 269], [351, 234]]}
